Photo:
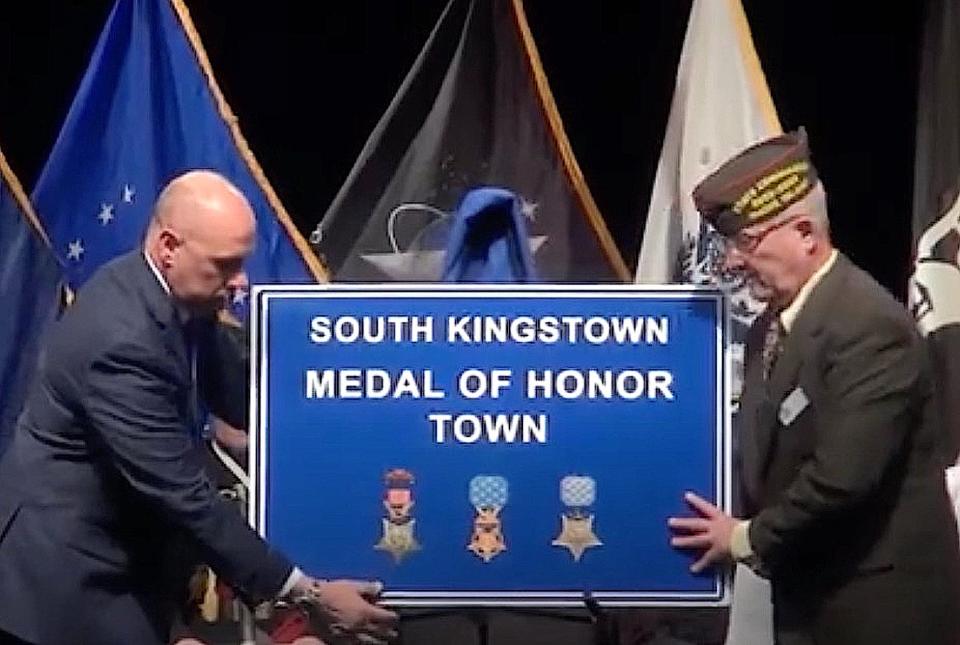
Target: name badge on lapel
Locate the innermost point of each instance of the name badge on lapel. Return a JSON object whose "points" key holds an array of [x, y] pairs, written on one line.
{"points": [[791, 407]]}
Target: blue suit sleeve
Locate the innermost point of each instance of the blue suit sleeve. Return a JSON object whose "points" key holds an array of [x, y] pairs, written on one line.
{"points": [[135, 406]]}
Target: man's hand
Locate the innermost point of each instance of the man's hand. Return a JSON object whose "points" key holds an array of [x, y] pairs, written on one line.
{"points": [[710, 532], [346, 608]]}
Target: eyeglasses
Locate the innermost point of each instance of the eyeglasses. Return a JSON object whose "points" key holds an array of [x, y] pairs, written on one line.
{"points": [[747, 241]]}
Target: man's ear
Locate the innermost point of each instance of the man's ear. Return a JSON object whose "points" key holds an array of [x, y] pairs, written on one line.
{"points": [[807, 228], [167, 244]]}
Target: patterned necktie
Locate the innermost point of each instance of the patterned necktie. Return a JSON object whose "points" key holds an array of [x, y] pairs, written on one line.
{"points": [[772, 345]]}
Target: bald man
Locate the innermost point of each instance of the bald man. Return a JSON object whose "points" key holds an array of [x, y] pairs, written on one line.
{"points": [[102, 490]]}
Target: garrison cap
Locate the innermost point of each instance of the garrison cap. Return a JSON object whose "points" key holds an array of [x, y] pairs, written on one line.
{"points": [[757, 184]]}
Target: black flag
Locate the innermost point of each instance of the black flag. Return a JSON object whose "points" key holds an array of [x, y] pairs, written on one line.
{"points": [[475, 110], [935, 284]]}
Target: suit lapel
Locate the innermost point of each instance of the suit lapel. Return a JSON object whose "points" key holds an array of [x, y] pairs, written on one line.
{"points": [[160, 308], [806, 326], [784, 376]]}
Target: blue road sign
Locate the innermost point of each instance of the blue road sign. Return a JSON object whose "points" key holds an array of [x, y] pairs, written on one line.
{"points": [[492, 445]]}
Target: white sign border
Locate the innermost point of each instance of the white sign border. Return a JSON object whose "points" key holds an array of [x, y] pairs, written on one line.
{"points": [[257, 455]]}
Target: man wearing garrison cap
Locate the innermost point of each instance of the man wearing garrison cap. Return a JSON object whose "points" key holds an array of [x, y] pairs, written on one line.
{"points": [[841, 455]]}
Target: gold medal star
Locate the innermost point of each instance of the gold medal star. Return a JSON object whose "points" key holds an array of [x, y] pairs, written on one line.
{"points": [[577, 535]]}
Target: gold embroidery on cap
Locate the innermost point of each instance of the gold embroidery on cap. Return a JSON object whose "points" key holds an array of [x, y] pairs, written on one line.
{"points": [[774, 192]]}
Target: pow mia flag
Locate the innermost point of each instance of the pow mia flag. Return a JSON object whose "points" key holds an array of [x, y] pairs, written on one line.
{"points": [[935, 283], [474, 110]]}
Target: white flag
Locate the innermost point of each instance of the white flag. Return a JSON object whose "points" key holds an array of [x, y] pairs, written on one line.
{"points": [[721, 105]]}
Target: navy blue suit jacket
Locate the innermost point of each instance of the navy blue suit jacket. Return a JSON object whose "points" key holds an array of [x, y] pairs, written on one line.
{"points": [[104, 482]]}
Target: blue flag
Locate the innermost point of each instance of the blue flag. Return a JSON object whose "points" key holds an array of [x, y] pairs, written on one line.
{"points": [[29, 281], [148, 108]]}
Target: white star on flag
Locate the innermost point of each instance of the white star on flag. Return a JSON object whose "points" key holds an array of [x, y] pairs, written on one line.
{"points": [[106, 213], [239, 297], [75, 250], [128, 193]]}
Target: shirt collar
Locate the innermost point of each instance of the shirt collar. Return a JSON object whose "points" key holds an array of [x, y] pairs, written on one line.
{"points": [[156, 273], [183, 314], [789, 315]]}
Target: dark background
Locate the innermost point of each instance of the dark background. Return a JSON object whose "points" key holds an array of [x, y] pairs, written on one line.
{"points": [[308, 81]]}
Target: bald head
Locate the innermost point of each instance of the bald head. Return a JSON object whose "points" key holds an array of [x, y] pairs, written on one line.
{"points": [[201, 231], [199, 200]]}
